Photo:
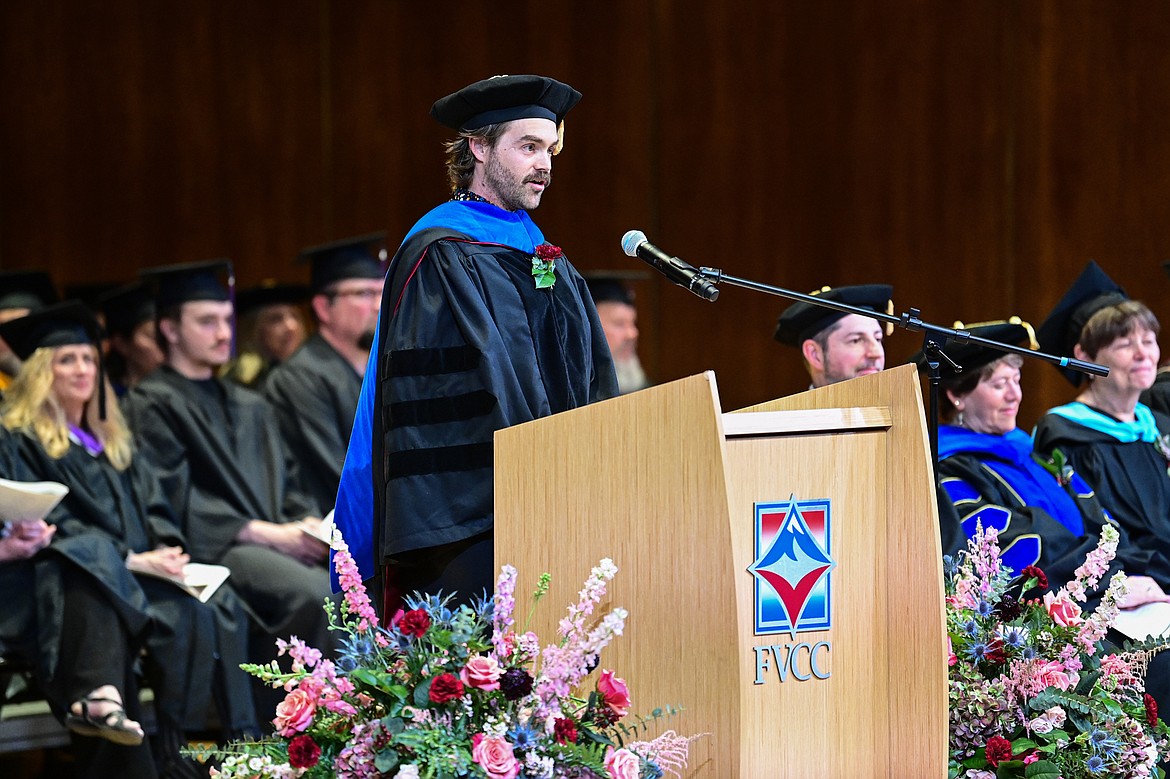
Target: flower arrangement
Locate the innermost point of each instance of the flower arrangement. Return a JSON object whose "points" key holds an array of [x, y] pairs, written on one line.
{"points": [[544, 265], [453, 692], [1033, 691]]}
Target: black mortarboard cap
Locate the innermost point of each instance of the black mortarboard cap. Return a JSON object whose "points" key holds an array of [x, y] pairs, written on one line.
{"points": [[361, 257], [88, 292], [612, 286], [174, 285], [802, 320], [270, 292], [61, 324], [31, 289], [504, 99], [1061, 330], [973, 356], [126, 307]]}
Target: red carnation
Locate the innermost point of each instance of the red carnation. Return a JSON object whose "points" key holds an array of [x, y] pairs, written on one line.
{"points": [[565, 731], [998, 748], [1032, 572], [995, 653], [546, 251], [303, 752], [414, 623], [446, 687], [1151, 709]]}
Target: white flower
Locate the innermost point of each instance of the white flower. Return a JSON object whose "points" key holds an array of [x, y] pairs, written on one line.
{"points": [[1040, 725], [1056, 716], [407, 772]]}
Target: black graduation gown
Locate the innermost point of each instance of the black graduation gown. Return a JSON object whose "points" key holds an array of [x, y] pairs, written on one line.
{"points": [[1130, 478], [194, 649], [1031, 535], [315, 394], [221, 463], [1157, 397], [469, 346]]}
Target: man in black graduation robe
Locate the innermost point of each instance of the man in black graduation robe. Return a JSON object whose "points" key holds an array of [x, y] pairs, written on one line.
{"points": [[223, 467], [315, 393], [484, 325]]}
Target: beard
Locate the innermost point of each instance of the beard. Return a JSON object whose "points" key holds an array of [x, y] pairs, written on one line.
{"points": [[510, 190], [630, 375], [366, 341]]}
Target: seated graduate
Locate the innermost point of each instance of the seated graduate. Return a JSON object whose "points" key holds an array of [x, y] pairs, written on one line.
{"points": [[21, 291], [194, 648], [1114, 441], [133, 353], [989, 471], [618, 311], [78, 635], [1157, 397], [223, 467], [271, 327]]}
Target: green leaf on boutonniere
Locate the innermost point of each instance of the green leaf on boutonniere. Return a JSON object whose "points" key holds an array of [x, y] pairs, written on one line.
{"points": [[544, 264], [544, 272]]}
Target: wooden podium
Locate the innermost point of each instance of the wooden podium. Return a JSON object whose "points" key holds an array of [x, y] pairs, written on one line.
{"points": [[687, 501]]}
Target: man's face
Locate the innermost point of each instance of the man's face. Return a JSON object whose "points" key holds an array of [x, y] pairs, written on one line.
{"points": [[203, 335], [350, 310], [620, 323], [518, 168], [853, 348]]}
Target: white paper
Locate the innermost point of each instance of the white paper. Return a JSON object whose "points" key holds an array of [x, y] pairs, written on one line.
{"points": [[324, 532], [28, 501], [1151, 619]]}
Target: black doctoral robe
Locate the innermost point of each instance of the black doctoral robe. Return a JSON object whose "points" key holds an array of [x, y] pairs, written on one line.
{"points": [[315, 394], [194, 649], [1130, 478], [221, 463], [1157, 397], [1028, 534], [467, 345]]}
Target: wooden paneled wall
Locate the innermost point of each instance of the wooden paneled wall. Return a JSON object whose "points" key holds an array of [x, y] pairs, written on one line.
{"points": [[974, 154]]}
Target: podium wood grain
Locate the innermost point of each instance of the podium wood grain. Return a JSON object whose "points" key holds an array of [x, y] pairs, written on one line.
{"points": [[665, 484]]}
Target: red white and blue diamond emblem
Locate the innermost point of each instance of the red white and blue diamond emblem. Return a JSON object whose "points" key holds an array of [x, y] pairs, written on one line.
{"points": [[793, 562]]}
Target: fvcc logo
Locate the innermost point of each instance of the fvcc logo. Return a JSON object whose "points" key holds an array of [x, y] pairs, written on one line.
{"points": [[793, 586]]}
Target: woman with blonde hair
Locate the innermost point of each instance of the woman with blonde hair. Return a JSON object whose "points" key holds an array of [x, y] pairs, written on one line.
{"points": [[67, 432]]}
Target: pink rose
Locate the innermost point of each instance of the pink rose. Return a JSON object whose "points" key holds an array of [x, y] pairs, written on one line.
{"points": [[483, 672], [951, 658], [1062, 610], [494, 755], [622, 764], [615, 693], [294, 713], [1053, 674]]}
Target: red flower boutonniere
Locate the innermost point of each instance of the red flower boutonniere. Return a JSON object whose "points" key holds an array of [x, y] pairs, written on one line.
{"points": [[544, 265]]}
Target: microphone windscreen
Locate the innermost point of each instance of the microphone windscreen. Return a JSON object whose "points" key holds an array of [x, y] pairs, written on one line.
{"points": [[631, 241]]}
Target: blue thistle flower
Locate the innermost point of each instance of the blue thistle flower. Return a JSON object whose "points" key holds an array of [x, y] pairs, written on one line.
{"points": [[1095, 764], [1103, 743], [977, 651], [971, 627], [523, 737], [984, 609], [1028, 653], [1015, 637]]}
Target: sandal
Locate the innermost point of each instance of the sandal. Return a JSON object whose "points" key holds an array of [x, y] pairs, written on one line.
{"points": [[112, 726]]}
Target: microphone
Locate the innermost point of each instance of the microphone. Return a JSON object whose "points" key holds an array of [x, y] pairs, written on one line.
{"points": [[634, 244]]}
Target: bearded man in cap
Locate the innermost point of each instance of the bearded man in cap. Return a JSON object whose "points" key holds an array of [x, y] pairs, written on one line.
{"points": [[484, 324], [836, 345]]}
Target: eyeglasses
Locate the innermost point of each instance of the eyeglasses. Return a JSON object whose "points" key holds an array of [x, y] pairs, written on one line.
{"points": [[361, 294]]}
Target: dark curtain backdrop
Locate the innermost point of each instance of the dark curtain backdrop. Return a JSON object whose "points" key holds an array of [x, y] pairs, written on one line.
{"points": [[973, 154]]}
